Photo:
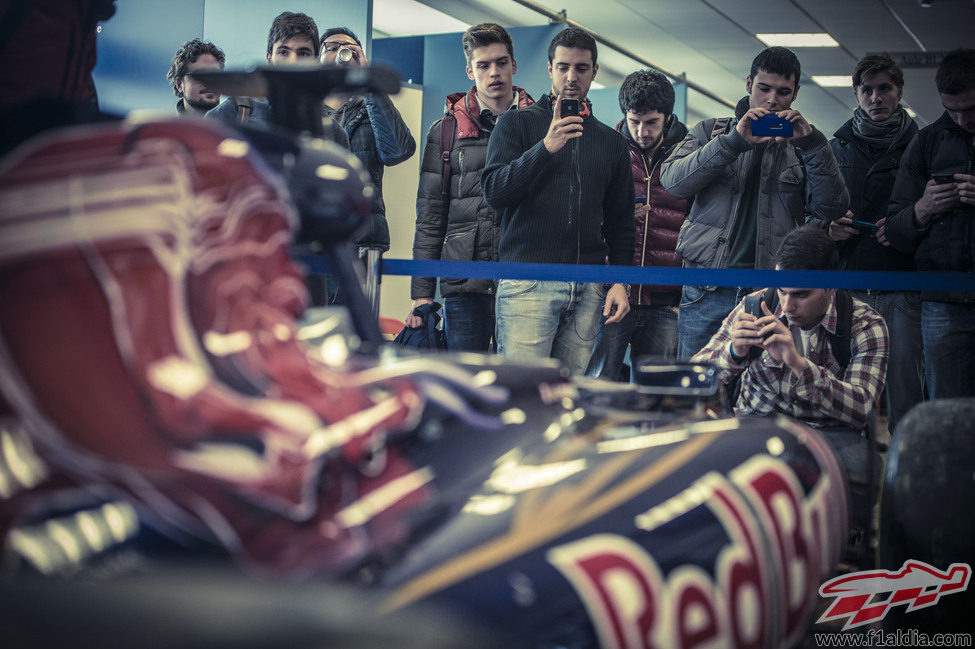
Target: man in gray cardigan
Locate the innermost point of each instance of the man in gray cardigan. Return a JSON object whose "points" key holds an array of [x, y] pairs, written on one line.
{"points": [[748, 191]]}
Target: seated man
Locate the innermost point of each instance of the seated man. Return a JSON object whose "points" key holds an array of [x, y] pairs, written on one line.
{"points": [[794, 369]]}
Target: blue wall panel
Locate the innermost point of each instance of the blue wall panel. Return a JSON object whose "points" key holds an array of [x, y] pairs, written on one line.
{"points": [[444, 66], [136, 47], [240, 27], [404, 55], [135, 50]]}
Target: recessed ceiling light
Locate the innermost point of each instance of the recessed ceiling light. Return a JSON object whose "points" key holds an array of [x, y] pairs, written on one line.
{"points": [[910, 111], [833, 80], [797, 40], [411, 18]]}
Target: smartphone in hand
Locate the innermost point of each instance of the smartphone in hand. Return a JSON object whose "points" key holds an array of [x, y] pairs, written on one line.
{"points": [[865, 227], [569, 108], [771, 126], [943, 179]]}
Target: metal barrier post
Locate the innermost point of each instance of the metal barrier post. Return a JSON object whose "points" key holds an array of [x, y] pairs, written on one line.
{"points": [[373, 257]]}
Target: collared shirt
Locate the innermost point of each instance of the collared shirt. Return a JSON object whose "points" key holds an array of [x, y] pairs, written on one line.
{"points": [[489, 119], [822, 394]]}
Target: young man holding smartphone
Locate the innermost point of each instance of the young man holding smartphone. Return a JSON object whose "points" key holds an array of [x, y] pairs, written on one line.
{"points": [[930, 215], [564, 189], [868, 150], [749, 191]]}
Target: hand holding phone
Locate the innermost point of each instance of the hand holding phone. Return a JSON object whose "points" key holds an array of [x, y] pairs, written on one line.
{"points": [[565, 125], [943, 179], [865, 227], [771, 126], [569, 108]]}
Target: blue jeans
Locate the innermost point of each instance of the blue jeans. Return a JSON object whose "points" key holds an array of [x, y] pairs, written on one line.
{"points": [[648, 330], [949, 349], [901, 311], [701, 314], [469, 322], [549, 319]]}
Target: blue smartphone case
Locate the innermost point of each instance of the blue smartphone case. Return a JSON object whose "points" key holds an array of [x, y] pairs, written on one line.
{"points": [[771, 126]]}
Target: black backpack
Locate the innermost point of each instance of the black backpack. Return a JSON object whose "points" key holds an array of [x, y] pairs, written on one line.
{"points": [[839, 343]]}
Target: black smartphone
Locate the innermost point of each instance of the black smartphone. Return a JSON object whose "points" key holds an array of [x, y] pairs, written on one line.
{"points": [[943, 179], [753, 305], [569, 108], [865, 227]]}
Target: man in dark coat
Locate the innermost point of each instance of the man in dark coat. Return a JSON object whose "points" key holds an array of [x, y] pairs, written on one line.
{"points": [[868, 150], [930, 215], [453, 221], [378, 136], [563, 182], [652, 132]]}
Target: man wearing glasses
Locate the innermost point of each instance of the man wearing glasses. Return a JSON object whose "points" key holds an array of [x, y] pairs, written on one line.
{"points": [[378, 136]]}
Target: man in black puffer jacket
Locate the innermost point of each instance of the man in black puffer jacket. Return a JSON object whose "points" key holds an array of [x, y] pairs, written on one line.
{"points": [[930, 214], [565, 187], [868, 150], [453, 222]]}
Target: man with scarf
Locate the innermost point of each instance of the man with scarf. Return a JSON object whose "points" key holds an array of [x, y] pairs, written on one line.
{"points": [[453, 222], [749, 191], [652, 132], [868, 150]]}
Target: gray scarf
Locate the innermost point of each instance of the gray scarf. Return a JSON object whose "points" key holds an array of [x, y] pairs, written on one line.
{"points": [[881, 135]]}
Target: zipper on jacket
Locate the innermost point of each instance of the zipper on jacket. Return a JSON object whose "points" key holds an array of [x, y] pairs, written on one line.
{"points": [[646, 224], [460, 162]]}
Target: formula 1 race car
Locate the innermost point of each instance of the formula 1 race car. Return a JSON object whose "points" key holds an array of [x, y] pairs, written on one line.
{"points": [[162, 411]]}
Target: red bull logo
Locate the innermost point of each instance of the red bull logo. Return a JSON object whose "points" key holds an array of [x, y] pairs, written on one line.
{"points": [[864, 597], [751, 599]]}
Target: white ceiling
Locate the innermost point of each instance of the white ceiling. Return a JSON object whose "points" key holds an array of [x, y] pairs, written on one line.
{"points": [[713, 41]]}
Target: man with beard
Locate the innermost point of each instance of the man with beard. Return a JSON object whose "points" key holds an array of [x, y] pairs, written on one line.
{"points": [[652, 132], [563, 184], [749, 191], [194, 97], [868, 150]]}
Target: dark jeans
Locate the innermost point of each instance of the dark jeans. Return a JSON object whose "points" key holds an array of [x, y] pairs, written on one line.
{"points": [[469, 322], [648, 330], [949, 349], [701, 314], [901, 311]]}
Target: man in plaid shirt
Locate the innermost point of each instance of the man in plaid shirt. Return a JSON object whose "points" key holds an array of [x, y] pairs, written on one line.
{"points": [[796, 373]]}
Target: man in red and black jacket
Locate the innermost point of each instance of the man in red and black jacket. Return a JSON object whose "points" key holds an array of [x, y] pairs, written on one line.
{"points": [[652, 132], [453, 221]]}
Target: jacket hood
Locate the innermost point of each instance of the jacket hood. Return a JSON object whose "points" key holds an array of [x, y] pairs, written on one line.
{"points": [[674, 135], [945, 122], [742, 107], [467, 111]]}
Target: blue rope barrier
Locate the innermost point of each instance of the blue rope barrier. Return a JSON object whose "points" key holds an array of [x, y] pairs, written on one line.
{"points": [[881, 281]]}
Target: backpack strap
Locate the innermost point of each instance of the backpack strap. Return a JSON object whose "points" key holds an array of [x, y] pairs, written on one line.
{"points": [[448, 133], [720, 127], [245, 106], [840, 342]]}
